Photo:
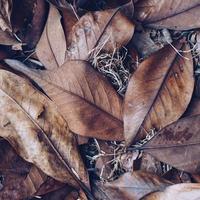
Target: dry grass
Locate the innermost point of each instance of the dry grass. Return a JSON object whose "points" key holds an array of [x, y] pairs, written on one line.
{"points": [[116, 66]]}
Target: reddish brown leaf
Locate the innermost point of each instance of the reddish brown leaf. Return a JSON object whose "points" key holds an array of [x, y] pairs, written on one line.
{"points": [[52, 45], [89, 104], [179, 14], [158, 92], [178, 144], [33, 126]]}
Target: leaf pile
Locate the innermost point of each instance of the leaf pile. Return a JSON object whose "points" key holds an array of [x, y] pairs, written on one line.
{"points": [[99, 100]]}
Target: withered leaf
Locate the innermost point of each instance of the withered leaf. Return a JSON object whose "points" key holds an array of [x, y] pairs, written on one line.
{"points": [[131, 186], [95, 31], [13, 171], [178, 15], [184, 191], [178, 144], [33, 126], [87, 101], [5, 14], [36, 26], [52, 45], [158, 92]]}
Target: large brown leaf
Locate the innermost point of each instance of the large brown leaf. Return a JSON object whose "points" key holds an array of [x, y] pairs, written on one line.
{"points": [[87, 101], [178, 144], [32, 125], [104, 30], [179, 14], [158, 92], [131, 186], [52, 45], [184, 191]]}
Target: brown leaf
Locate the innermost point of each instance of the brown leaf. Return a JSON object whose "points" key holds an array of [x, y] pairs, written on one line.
{"points": [[5, 13], [178, 15], [40, 135], [52, 45], [13, 171], [178, 144], [158, 92], [36, 26], [38, 183], [184, 191], [104, 30], [89, 104], [131, 186]]}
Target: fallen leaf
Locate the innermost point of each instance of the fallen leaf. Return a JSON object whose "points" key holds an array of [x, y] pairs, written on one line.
{"points": [[184, 191], [178, 144], [87, 101], [178, 15], [13, 171], [5, 14], [36, 26], [39, 134], [52, 45], [131, 186], [101, 30], [38, 183], [158, 92]]}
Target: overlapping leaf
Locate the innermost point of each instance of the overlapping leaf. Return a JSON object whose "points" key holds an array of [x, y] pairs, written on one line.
{"points": [[185, 191], [87, 101], [158, 92], [131, 186], [178, 15], [32, 125], [178, 144]]}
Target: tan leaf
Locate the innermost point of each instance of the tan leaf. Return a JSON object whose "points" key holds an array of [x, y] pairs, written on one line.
{"points": [[5, 14], [86, 100], [184, 191], [131, 186], [158, 92], [40, 135], [52, 44], [178, 144], [178, 15], [104, 30]]}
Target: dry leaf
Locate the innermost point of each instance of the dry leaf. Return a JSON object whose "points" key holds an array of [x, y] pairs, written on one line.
{"points": [[52, 45], [131, 186], [37, 131], [13, 171], [101, 30], [178, 144], [178, 15], [158, 92], [5, 14], [86, 100], [184, 191], [36, 26]]}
